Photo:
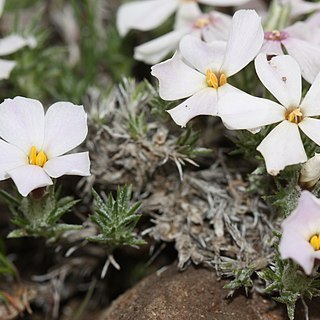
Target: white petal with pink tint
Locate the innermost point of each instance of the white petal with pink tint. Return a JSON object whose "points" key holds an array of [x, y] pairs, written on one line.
{"points": [[282, 147], [243, 111], [70, 164], [244, 43], [28, 178], [155, 50], [298, 228], [65, 128], [22, 123], [307, 56], [311, 127], [202, 55], [13, 43], [144, 15], [310, 105], [10, 157], [272, 47], [203, 102], [281, 76], [6, 67], [177, 80]]}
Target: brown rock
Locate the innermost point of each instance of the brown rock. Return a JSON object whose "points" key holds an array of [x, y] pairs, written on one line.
{"points": [[194, 294]]}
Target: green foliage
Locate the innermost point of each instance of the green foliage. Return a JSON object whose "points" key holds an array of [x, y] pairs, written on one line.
{"points": [[116, 219], [286, 278], [137, 126], [39, 217], [242, 278], [7, 268], [187, 143]]}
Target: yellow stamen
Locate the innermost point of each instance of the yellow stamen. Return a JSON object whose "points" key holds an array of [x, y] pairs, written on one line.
{"points": [[223, 79], [33, 155], [41, 159], [37, 158], [294, 115], [214, 80], [315, 242], [201, 22]]}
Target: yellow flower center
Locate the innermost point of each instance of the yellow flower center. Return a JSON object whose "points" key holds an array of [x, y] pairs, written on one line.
{"points": [[37, 158], [315, 242], [294, 115], [215, 80], [201, 22]]}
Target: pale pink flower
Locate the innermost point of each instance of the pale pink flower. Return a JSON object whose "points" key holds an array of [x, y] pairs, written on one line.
{"points": [[33, 143], [149, 14], [201, 74], [297, 41], [300, 239], [209, 27], [283, 145]]}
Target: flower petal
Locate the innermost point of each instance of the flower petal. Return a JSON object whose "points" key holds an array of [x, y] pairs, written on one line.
{"points": [[186, 14], [297, 248], [202, 55], [300, 7], [14, 43], [282, 147], [223, 3], [310, 104], [28, 178], [22, 123], [311, 127], [177, 80], [219, 27], [307, 56], [272, 47], [245, 41], [10, 157], [243, 111], [156, 50], [203, 102], [6, 67], [281, 76], [65, 128], [77, 164], [144, 15]]}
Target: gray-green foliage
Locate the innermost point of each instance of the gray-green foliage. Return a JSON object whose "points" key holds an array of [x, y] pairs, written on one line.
{"points": [[39, 217], [116, 219], [287, 279]]}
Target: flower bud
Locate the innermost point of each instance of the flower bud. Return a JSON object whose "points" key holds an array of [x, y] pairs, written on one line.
{"points": [[310, 172]]}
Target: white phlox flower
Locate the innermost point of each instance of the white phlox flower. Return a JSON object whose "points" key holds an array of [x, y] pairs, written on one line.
{"points": [[300, 239], [202, 72], [298, 42], [209, 27], [33, 143], [11, 44], [283, 145], [149, 14]]}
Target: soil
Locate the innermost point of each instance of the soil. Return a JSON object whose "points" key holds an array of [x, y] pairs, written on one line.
{"points": [[190, 295]]}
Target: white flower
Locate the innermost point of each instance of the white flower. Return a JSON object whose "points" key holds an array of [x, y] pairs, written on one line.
{"points": [[11, 44], [34, 143], [297, 41], [209, 27], [149, 14], [204, 74], [310, 172], [300, 239], [283, 145]]}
